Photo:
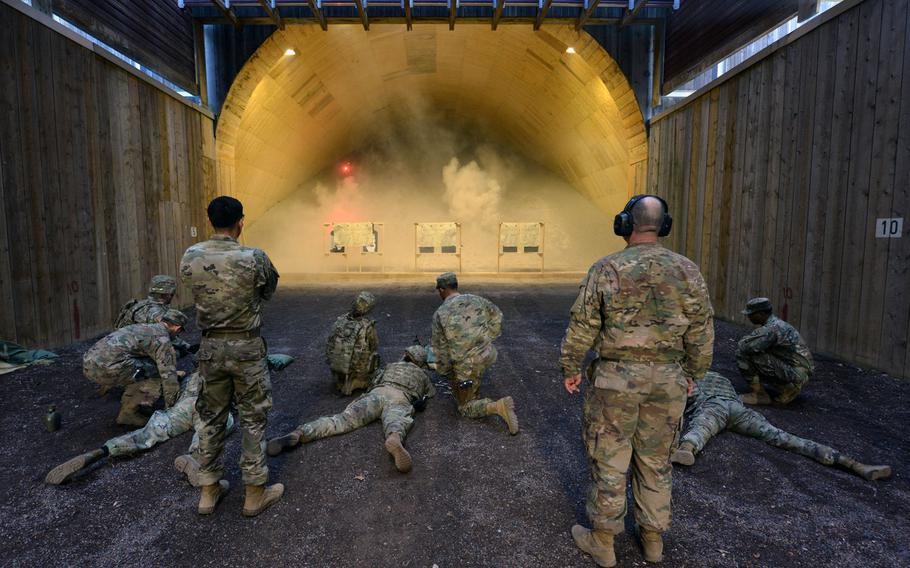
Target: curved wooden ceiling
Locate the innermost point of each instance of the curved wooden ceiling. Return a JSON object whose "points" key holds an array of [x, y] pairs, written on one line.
{"points": [[288, 117]]}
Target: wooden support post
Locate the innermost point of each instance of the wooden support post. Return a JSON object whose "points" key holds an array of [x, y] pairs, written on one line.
{"points": [[201, 79], [657, 74], [635, 6], [807, 9], [497, 13], [407, 13], [225, 7], [318, 15], [591, 5], [362, 12], [453, 10], [272, 11], [542, 13]]}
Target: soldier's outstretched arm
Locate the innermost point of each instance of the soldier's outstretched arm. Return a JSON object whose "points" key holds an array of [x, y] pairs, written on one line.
{"points": [[759, 341], [268, 276], [698, 341], [440, 348], [585, 322]]}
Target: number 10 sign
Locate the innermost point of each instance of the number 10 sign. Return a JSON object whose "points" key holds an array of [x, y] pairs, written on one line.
{"points": [[889, 228]]}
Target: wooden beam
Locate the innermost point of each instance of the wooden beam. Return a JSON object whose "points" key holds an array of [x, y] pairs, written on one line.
{"points": [[362, 12], [399, 20], [201, 79], [318, 15], [453, 12], [407, 13], [497, 13], [632, 12], [807, 9], [542, 13], [272, 11], [225, 7], [586, 13]]}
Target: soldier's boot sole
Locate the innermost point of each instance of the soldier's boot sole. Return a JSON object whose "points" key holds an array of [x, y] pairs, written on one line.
{"points": [[602, 553], [873, 472], [188, 466], [278, 445], [683, 456], [211, 496], [69, 468], [652, 545], [399, 453], [505, 408], [259, 498]]}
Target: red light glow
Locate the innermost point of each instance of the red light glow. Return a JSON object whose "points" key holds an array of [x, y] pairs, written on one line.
{"points": [[346, 169]]}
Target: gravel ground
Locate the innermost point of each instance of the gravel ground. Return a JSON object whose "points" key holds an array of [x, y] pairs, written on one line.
{"points": [[476, 496]]}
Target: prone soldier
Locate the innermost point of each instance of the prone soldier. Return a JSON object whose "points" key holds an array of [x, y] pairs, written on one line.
{"points": [[396, 391], [352, 348], [464, 328], [773, 356], [140, 358], [714, 407]]}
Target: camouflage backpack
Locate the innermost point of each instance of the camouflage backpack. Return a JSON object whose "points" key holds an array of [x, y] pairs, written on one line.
{"points": [[125, 317], [347, 349]]}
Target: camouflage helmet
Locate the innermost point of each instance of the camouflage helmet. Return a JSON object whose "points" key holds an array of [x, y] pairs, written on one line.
{"points": [[363, 303], [163, 284], [417, 354], [447, 280], [175, 317]]}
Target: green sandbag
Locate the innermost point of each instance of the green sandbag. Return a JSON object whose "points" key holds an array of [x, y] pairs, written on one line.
{"points": [[278, 361], [18, 355]]}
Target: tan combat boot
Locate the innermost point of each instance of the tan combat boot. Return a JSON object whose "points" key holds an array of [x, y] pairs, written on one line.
{"points": [[259, 497], [69, 468], [652, 544], [505, 408], [684, 454], [284, 443], [211, 495], [757, 396], [599, 544], [188, 466], [394, 446], [869, 472]]}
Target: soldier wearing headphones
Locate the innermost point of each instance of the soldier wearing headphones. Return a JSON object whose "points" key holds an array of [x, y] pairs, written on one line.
{"points": [[646, 313]]}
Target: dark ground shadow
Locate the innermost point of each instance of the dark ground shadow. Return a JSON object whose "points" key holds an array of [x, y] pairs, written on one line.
{"points": [[476, 496]]}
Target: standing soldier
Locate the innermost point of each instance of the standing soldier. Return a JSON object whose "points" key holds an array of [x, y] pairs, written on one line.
{"points": [[352, 348], [464, 328], [395, 393], [229, 283], [714, 407], [646, 313], [773, 354], [140, 358]]}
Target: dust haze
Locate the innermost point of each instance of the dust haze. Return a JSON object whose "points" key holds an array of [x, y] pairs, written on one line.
{"points": [[420, 166]]}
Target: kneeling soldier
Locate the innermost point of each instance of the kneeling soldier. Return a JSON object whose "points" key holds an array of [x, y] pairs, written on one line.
{"points": [[396, 390], [141, 359]]}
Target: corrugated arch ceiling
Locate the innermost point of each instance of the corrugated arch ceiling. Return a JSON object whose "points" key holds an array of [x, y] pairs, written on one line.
{"points": [[288, 117]]}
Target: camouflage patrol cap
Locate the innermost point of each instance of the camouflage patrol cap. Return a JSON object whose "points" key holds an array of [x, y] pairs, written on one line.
{"points": [[417, 353], [363, 303], [757, 305], [175, 317], [163, 284], [447, 280]]}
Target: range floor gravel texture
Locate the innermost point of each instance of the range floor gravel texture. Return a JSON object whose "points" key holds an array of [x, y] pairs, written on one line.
{"points": [[476, 496]]}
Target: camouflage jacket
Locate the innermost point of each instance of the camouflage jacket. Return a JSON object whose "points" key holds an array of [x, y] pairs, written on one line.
{"points": [[147, 310], [229, 283], [779, 339], [353, 345], [406, 377], [714, 385], [644, 303], [139, 340], [464, 328]]}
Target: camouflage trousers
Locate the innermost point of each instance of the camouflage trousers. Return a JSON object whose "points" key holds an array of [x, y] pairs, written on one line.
{"points": [[143, 392], [784, 380], [466, 390], [631, 416], [715, 415], [383, 402], [233, 370], [161, 427]]}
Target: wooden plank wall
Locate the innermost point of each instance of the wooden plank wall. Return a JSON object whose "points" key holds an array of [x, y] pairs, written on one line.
{"points": [[101, 177], [776, 176]]}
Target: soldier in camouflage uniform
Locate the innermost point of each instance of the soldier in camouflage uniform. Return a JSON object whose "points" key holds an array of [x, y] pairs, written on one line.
{"points": [[772, 356], [464, 328], [715, 406], [395, 392], [229, 283], [352, 348], [141, 359], [646, 313], [161, 427], [150, 310]]}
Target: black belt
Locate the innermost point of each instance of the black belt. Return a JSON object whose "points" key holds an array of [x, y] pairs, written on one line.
{"points": [[231, 333], [643, 361]]}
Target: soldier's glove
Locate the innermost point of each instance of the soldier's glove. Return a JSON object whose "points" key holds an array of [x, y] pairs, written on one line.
{"points": [[421, 403], [171, 390]]}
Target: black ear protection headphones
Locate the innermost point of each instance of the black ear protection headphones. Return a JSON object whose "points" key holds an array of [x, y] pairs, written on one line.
{"points": [[622, 223]]}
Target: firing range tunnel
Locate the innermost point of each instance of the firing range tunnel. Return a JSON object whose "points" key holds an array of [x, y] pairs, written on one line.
{"points": [[521, 127]]}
